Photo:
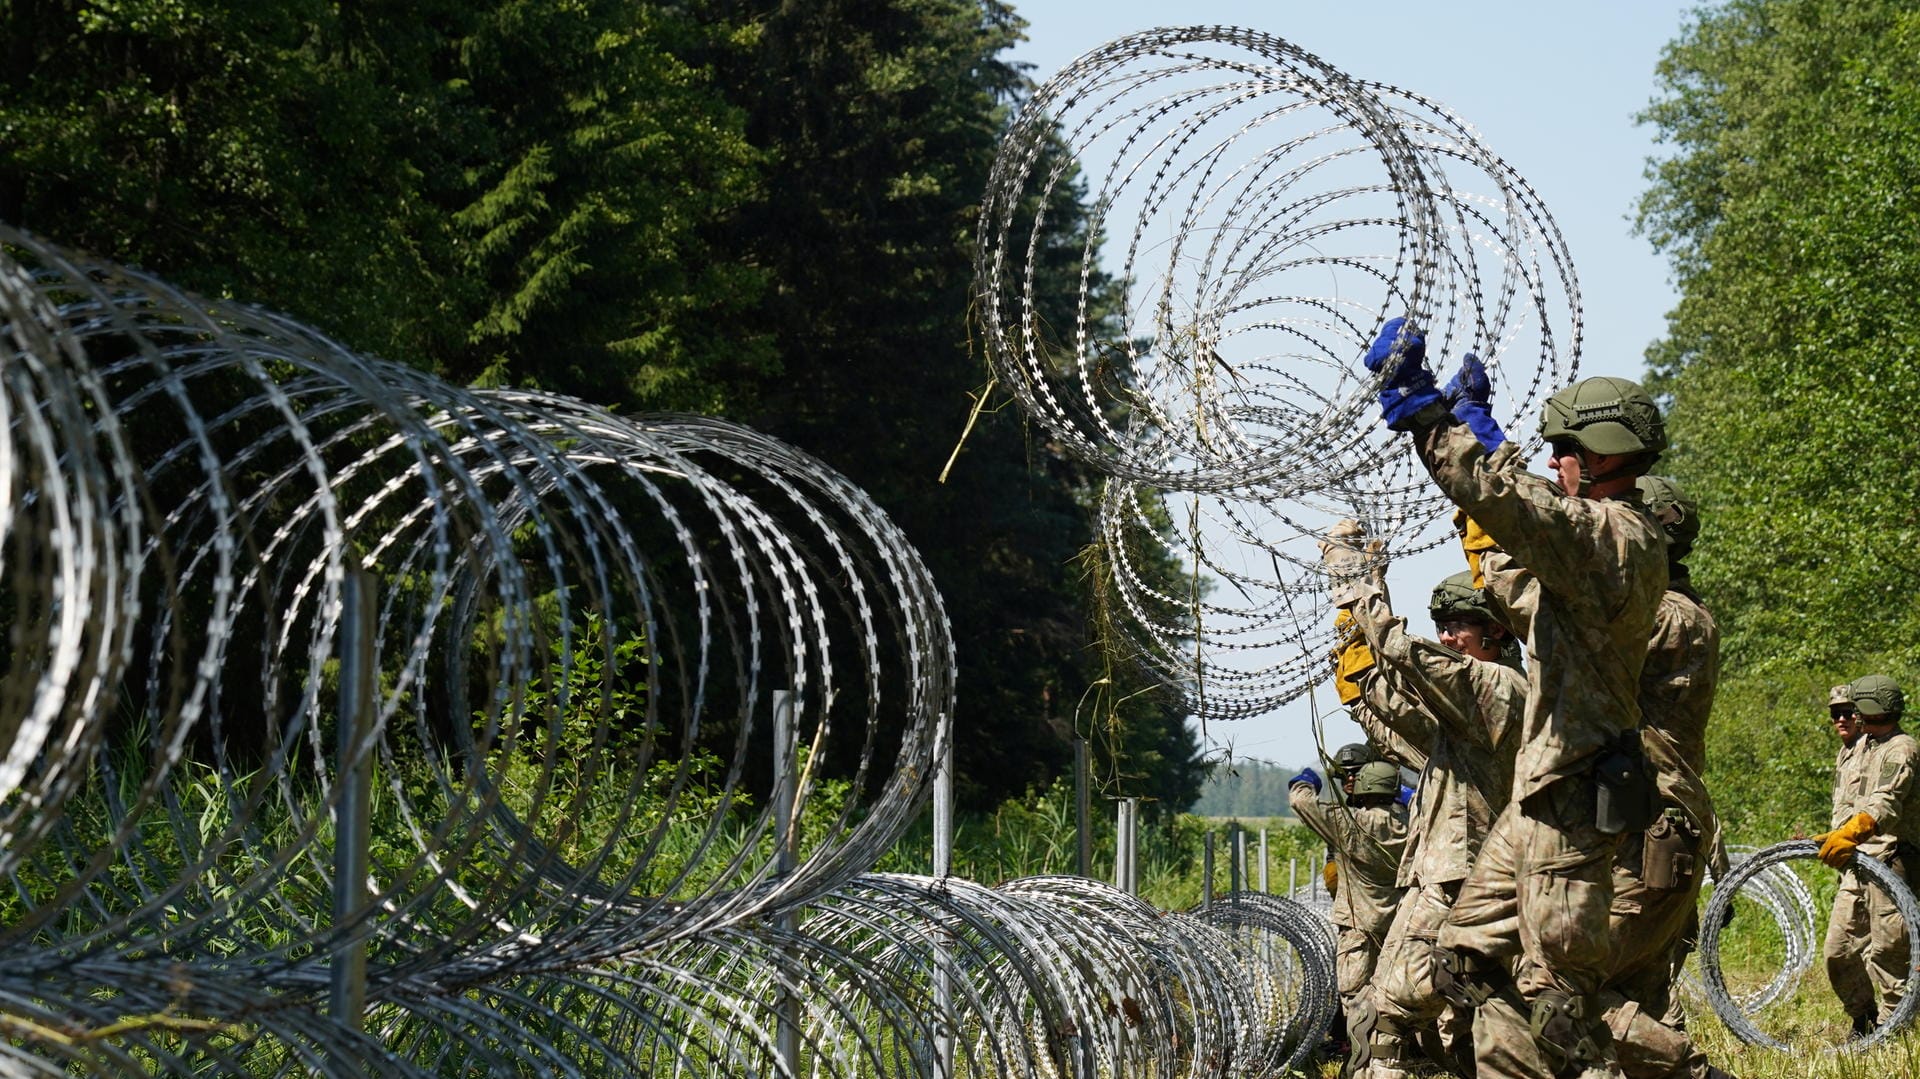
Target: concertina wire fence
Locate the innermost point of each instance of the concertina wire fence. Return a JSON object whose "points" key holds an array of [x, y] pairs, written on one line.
{"points": [[627, 707], [589, 637]]}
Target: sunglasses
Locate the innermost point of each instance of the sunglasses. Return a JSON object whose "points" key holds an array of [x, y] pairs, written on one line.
{"points": [[1844, 713], [1563, 447]]}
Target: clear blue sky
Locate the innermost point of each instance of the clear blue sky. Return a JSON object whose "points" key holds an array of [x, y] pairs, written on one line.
{"points": [[1552, 87]]}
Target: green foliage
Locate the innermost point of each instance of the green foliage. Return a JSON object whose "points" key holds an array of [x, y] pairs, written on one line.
{"points": [[266, 150], [508, 191], [743, 207], [604, 158], [880, 126], [1787, 207]]}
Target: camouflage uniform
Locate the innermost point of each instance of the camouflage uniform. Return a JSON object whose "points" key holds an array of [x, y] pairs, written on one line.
{"points": [[1866, 947], [1580, 581], [1367, 840], [1653, 928], [1460, 717]]}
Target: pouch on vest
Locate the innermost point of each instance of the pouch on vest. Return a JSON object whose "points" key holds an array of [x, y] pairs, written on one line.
{"points": [[1623, 789], [1667, 852]]}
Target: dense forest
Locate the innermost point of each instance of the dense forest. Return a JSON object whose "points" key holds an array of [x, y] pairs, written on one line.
{"points": [[746, 208], [1788, 209]]}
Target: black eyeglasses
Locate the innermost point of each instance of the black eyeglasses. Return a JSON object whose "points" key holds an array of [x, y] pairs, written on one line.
{"points": [[1844, 713], [1563, 447]]}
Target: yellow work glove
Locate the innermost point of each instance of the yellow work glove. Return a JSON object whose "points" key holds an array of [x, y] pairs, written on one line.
{"points": [[1836, 847], [1474, 541], [1331, 874], [1351, 657]]}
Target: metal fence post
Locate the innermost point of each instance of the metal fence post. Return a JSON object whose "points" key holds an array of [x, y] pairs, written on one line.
{"points": [[1126, 854], [1263, 859], [1240, 880], [354, 773], [1206, 872], [943, 1019], [1083, 806], [786, 857], [1133, 846]]}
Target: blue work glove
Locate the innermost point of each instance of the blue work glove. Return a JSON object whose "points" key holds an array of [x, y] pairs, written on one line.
{"points": [[1468, 395], [1405, 797], [1410, 388], [1308, 776]]}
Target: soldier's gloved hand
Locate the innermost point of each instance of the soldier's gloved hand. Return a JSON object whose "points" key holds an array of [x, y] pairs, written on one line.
{"points": [[1348, 563], [1474, 542], [1469, 394], [1409, 388], [1351, 657], [1837, 846], [1308, 776], [1331, 874]]}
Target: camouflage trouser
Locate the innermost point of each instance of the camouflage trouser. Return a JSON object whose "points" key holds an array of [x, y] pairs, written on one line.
{"points": [[1866, 948], [1354, 956], [1504, 1046], [1402, 990], [1537, 904], [1652, 930]]}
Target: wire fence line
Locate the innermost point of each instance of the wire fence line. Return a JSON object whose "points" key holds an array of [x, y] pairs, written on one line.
{"points": [[647, 698]]}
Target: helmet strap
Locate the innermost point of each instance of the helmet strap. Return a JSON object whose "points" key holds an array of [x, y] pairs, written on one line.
{"points": [[1588, 479]]}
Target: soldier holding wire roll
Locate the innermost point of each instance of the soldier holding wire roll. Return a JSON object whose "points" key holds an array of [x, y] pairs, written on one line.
{"points": [[1876, 814]]}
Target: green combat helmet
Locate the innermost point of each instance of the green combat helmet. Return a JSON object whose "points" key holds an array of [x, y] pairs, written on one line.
{"points": [[1353, 756], [1679, 516], [1377, 779], [1456, 597], [1878, 697], [1604, 415]]}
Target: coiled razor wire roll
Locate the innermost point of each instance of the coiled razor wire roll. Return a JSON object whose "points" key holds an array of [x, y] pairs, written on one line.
{"points": [[1779, 891], [1273, 213], [582, 623], [1283, 938], [1039, 976], [1737, 1019]]}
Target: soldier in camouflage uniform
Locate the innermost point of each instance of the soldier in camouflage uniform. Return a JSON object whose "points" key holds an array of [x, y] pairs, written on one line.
{"points": [[1454, 705], [1876, 813], [1657, 877], [1578, 568], [1367, 834]]}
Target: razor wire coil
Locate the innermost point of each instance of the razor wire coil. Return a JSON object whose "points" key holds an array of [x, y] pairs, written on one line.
{"points": [[1273, 213], [1737, 1018], [583, 621], [1779, 891]]}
